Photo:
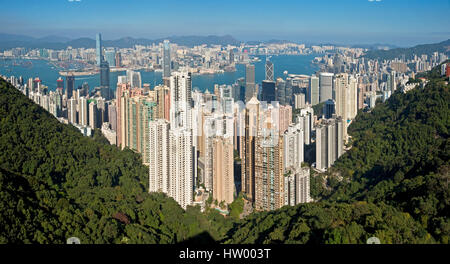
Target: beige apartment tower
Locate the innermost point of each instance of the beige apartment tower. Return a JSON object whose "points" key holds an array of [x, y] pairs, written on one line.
{"points": [[223, 172]]}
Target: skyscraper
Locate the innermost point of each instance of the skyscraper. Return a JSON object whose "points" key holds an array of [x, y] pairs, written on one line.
{"points": [[392, 81], [341, 87], [137, 111], [159, 156], [72, 111], [181, 174], [325, 86], [346, 96], [252, 113], [360, 96], [288, 92], [305, 119], [118, 59], [269, 70], [223, 171], [329, 109], [239, 90], [99, 49], [183, 157], [180, 100], [121, 90], [231, 56], [104, 80], [269, 168], [352, 98], [93, 115], [284, 117], [297, 186], [299, 100], [163, 102], [329, 142], [281, 91], [83, 105], [110, 57], [102, 107], [313, 90], [166, 59], [268, 93], [112, 115], [293, 141], [70, 87], [250, 89]]}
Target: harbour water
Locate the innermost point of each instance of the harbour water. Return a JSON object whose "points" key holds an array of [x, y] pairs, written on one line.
{"points": [[48, 73]]}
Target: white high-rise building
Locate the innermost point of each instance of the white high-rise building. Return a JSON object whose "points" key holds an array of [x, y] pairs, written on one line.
{"points": [[83, 105], [346, 99], [181, 176], [172, 152], [313, 90], [299, 100], [93, 115], [393, 82], [329, 142], [293, 147], [72, 111], [341, 86], [306, 121], [159, 156], [180, 100], [325, 86], [297, 186], [352, 102]]}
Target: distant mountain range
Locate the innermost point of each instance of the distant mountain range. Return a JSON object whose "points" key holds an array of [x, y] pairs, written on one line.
{"points": [[8, 41], [427, 49], [376, 46]]}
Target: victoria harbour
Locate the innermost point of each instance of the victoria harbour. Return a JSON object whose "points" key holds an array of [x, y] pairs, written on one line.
{"points": [[48, 73]]}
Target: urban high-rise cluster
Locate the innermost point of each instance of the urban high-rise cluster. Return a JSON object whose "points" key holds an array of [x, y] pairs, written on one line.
{"points": [[258, 139]]}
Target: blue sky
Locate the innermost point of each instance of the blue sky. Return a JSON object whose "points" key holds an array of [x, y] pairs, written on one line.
{"points": [[399, 22]]}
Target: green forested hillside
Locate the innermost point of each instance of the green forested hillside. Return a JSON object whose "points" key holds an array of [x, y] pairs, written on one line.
{"points": [[393, 184]]}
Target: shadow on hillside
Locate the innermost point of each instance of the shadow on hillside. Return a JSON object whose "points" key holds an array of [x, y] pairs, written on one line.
{"points": [[203, 238]]}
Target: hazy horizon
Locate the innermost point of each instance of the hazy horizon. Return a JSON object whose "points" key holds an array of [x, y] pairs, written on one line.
{"points": [[400, 23]]}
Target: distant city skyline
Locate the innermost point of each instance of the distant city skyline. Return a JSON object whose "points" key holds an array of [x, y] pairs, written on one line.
{"points": [[400, 22]]}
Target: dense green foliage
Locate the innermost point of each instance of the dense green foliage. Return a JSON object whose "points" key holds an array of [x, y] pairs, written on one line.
{"points": [[318, 109], [56, 183], [329, 223], [427, 49], [393, 184], [237, 207]]}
